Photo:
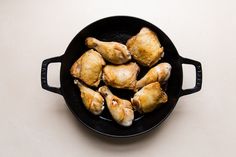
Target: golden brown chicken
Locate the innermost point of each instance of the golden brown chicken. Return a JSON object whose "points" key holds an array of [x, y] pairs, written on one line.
{"points": [[149, 98], [121, 76], [113, 52], [88, 68], [92, 100], [159, 73], [121, 110], [145, 47]]}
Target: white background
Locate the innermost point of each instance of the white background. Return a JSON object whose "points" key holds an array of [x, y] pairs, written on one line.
{"points": [[34, 122]]}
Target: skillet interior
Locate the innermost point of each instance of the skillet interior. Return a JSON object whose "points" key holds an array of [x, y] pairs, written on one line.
{"points": [[119, 28]]}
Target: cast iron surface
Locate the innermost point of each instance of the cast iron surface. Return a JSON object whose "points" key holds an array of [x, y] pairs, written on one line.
{"points": [[120, 29]]}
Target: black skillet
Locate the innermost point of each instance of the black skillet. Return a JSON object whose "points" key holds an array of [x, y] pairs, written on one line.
{"points": [[120, 29]]}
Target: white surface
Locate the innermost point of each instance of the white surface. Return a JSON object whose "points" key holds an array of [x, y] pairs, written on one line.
{"points": [[34, 122]]}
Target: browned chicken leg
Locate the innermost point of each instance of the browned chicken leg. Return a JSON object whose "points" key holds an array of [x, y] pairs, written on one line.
{"points": [[149, 98], [88, 68], [145, 47], [113, 52], [159, 73], [121, 76], [92, 100], [120, 109]]}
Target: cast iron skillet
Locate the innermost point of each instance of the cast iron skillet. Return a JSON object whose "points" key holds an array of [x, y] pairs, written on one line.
{"points": [[119, 28]]}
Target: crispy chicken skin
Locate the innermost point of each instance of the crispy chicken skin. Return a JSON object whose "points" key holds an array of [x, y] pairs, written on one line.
{"points": [[145, 47], [121, 76], [149, 98], [113, 52], [159, 73], [121, 110], [88, 68], [92, 100]]}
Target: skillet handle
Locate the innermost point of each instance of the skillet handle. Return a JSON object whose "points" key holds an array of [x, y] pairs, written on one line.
{"points": [[44, 73], [198, 84]]}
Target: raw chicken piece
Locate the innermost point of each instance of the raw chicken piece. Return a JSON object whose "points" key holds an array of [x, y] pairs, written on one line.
{"points": [[149, 98], [159, 73], [145, 47], [113, 52], [121, 76], [93, 101], [120, 109], [88, 68]]}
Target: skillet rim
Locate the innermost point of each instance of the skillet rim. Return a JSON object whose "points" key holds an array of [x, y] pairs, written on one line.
{"points": [[129, 135]]}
